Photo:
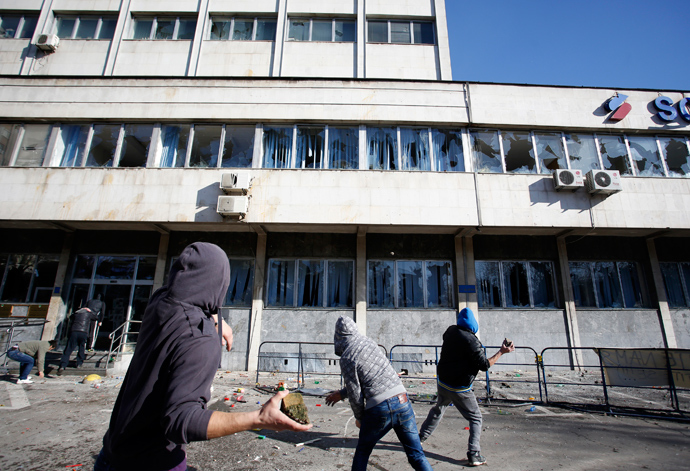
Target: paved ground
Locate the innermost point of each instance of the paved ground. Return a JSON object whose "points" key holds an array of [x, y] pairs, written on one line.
{"points": [[58, 423]]}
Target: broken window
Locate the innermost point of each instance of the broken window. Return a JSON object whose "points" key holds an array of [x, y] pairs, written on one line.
{"points": [[205, 146], [17, 26], [582, 150], [645, 156], [277, 143], [175, 142], [414, 149], [310, 283], [607, 284], [103, 145], [515, 284], [70, 145], [34, 143], [238, 149], [677, 283], [27, 278], [550, 151], [614, 154], [487, 152], [410, 284], [343, 148], [135, 145], [239, 292], [382, 148], [448, 153], [519, 152], [310, 147], [677, 156]]}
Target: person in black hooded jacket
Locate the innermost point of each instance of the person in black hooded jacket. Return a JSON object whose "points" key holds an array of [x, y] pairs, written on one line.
{"points": [[162, 403]]}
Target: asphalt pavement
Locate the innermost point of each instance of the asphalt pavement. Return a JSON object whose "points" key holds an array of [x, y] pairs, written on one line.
{"points": [[57, 423]]}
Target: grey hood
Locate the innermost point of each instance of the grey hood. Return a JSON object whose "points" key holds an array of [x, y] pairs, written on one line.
{"points": [[345, 332]]}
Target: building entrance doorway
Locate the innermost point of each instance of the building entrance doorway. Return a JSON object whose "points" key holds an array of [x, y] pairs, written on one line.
{"points": [[124, 284]]}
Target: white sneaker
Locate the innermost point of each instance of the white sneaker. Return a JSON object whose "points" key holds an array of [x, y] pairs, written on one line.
{"points": [[24, 381]]}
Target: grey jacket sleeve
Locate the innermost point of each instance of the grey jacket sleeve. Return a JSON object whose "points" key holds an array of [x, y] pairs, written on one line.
{"points": [[353, 388]]}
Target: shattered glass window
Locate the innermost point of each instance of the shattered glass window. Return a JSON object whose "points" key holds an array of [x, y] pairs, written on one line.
{"points": [[343, 148], [135, 145], [607, 285], [220, 29], [277, 147], [487, 152], [448, 153], [381, 283], [310, 283], [310, 147], [583, 286], [439, 284], [299, 30], [243, 30], [382, 148], [541, 278], [630, 282], [241, 283], [205, 146], [673, 282], [614, 154], [515, 284], [519, 152], [677, 156], [115, 268], [341, 278], [488, 284], [414, 149], [18, 273], [645, 155], [410, 284], [550, 151], [238, 150], [103, 145], [281, 283], [582, 150]]}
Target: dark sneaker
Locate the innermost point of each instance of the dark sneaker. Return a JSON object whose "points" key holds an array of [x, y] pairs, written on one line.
{"points": [[422, 439], [60, 371], [474, 458]]}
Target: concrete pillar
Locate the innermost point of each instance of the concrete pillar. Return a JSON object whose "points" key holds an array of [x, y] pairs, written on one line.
{"points": [[257, 303], [117, 38], [56, 308], [664, 312], [570, 311], [201, 24], [361, 40], [442, 43], [471, 299], [361, 282], [281, 26], [159, 275]]}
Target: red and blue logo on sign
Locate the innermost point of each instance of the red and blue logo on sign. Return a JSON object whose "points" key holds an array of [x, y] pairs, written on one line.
{"points": [[618, 106]]}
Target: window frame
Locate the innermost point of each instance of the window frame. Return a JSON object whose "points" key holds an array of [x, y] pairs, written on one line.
{"points": [[592, 265], [452, 297], [683, 280], [19, 32], [31, 288], [530, 287], [295, 295], [154, 26], [78, 18], [311, 29], [232, 19], [411, 23]]}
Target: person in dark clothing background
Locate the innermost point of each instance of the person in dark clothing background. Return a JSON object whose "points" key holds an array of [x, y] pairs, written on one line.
{"points": [[98, 307], [162, 403], [81, 321], [462, 356]]}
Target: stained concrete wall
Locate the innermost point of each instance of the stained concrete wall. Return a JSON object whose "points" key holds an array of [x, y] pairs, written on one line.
{"points": [[239, 321], [681, 327]]}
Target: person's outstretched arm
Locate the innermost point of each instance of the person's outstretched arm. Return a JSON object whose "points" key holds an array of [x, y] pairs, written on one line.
{"points": [[268, 417], [504, 349]]}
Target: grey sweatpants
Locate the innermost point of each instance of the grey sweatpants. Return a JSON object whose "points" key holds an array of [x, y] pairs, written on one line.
{"points": [[466, 403]]}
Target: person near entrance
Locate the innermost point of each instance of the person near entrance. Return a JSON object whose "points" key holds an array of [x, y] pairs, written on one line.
{"points": [[162, 404], [462, 356], [30, 352], [377, 397], [97, 306], [81, 320]]}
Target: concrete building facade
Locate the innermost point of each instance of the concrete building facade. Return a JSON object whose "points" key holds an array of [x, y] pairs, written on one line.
{"points": [[359, 178]]}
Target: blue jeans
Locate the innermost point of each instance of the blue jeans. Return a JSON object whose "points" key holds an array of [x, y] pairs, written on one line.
{"points": [[26, 362], [378, 421]]}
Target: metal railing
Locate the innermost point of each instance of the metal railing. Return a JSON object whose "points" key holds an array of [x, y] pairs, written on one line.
{"points": [[120, 339], [304, 358], [9, 327]]}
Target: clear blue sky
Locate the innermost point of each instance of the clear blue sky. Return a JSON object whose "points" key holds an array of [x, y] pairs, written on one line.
{"points": [[604, 43]]}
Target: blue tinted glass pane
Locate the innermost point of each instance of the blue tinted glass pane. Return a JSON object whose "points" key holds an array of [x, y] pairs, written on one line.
{"points": [[310, 283], [175, 140], [238, 150], [439, 284], [382, 148], [310, 146], [487, 152], [281, 283], [165, 29], [142, 29], [377, 31], [107, 28], [645, 155], [146, 268], [28, 28], [206, 146], [550, 151], [448, 153], [299, 30], [186, 29], [381, 284], [410, 284], [65, 27], [541, 279], [614, 154], [583, 289], [321, 30], [243, 30], [71, 144], [673, 284], [83, 266], [414, 149], [340, 284], [115, 268], [277, 149], [8, 26], [607, 285], [345, 31], [87, 28], [630, 281], [241, 283], [103, 145], [677, 156], [220, 30], [423, 33], [488, 284], [343, 148], [582, 150], [265, 30]]}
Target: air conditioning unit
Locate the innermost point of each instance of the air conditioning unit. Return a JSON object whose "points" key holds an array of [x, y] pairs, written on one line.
{"points": [[48, 42], [603, 181], [233, 205], [232, 183], [565, 179]]}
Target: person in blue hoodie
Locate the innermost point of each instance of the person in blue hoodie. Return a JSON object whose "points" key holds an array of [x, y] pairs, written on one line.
{"points": [[462, 356], [162, 403]]}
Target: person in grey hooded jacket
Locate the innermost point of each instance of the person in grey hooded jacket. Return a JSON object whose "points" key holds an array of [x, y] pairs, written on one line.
{"points": [[377, 396], [162, 403]]}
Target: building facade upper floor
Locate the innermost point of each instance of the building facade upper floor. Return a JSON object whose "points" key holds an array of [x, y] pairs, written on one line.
{"points": [[404, 39]]}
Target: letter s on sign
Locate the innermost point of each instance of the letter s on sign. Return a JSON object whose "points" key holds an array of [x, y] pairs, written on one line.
{"points": [[665, 106], [683, 108]]}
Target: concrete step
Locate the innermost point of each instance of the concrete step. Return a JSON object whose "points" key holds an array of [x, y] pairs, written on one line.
{"points": [[95, 363]]}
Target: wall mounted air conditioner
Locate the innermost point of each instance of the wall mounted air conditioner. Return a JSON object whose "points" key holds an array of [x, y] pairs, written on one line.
{"points": [[233, 205], [48, 42], [565, 179], [232, 183], [603, 181]]}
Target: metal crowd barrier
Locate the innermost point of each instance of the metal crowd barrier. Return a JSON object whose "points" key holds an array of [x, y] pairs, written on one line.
{"points": [[625, 381], [9, 328], [304, 358], [418, 363]]}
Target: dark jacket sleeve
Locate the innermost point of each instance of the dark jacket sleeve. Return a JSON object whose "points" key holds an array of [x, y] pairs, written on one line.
{"points": [[192, 370], [479, 356]]}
